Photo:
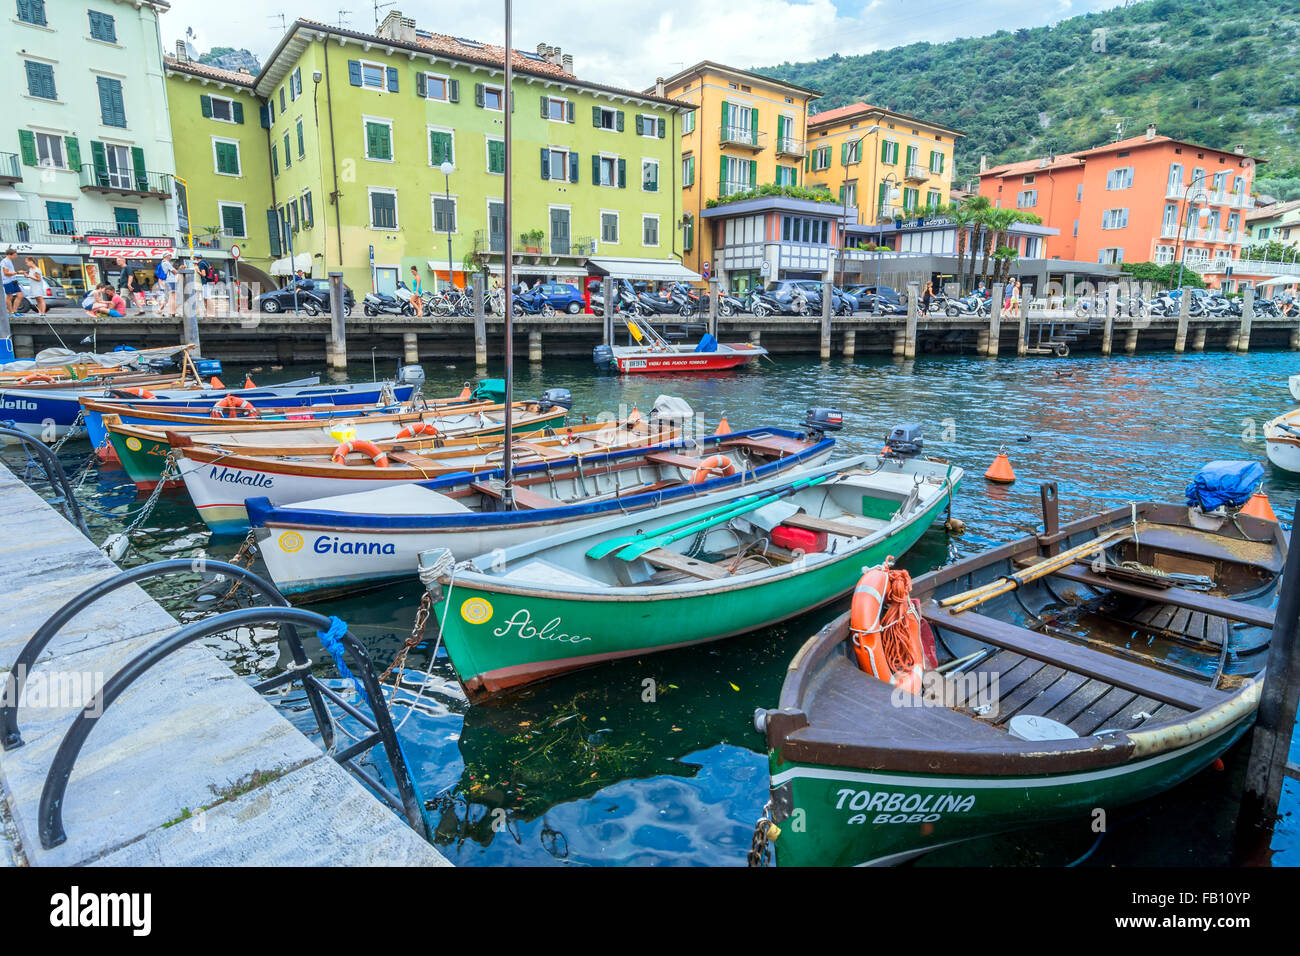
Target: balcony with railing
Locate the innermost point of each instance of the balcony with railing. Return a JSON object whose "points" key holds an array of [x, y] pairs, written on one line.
{"points": [[11, 169], [888, 213], [729, 187], [64, 231], [916, 173], [743, 136], [125, 182], [789, 146], [1169, 230]]}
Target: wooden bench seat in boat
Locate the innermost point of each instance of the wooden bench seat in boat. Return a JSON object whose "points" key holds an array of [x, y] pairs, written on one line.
{"points": [[1115, 671], [414, 460], [673, 460], [672, 561], [523, 497], [848, 529], [542, 451], [773, 446], [1177, 597]]}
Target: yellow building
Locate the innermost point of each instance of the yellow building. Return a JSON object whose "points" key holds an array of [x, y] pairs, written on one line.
{"points": [[748, 131], [885, 163]]}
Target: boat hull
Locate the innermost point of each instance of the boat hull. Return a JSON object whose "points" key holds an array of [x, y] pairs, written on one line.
{"points": [[854, 817], [643, 361], [502, 637], [1283, 452]]}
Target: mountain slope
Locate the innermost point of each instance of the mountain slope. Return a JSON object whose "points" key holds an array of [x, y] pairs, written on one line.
{"points": [[1219, 72]]}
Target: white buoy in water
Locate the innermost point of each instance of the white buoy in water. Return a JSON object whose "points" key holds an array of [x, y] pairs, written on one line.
{"points": [[115, 546]]}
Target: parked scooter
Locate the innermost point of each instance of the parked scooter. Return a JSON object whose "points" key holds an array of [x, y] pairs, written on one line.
{"points": [[729, 305], [974, 304], [380, 303], [532, 302]]}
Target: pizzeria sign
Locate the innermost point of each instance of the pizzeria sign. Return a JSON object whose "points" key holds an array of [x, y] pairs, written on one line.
{"points": [[128, 247]]}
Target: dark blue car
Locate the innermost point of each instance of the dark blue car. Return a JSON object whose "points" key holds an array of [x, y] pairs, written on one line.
{"points": [[564, 297]]}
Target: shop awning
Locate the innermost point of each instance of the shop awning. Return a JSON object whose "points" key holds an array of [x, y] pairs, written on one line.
{"points": [[8, 192], [440, 265], [1279, 280], [287, 266], [641, 270]]}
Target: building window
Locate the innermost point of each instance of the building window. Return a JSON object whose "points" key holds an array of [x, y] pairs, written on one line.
{"points": [[442, 147], [372, 76], [308, 213], [127, 220], [688, 123], [302, 142], [607, 118], [1164, 255], [609, 227], [435, 86], [650, 230], [850, 152], [555, 164], [1114, 218], [688, 232], [275, 160], [49, 151], [379, 140], [1076, 228], [556, 110], [383, 208], [910, 197], [738, 175], [933, 199], [1110, 257], [444, 214], [232, 220], [650, 175], [1121, 178], [102, 27], [888, 152], [688, 171], [112, 110], [218, 108], [787, 176], [936, 161], [496, 156], [821, 158], [492, 97], [288, 161], [1027, 199], [607, 170], [59, 215], [40, 80], [1175, 177], [118, 171], [648, 126], [805, 229], [225, 156], [848, 194], [32, 11]]}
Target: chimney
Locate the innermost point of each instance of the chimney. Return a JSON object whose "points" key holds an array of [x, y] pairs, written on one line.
{"points": [[1240, 149], [1151, 131], [397, 27], [659, 86], [984, 164], [1042, 162], [567, 62], [181, 53]]}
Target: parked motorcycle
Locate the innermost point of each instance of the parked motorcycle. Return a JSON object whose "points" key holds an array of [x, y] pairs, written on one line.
{"points": [[380, 303], [973, 304], [532, 302], [729, 305]]}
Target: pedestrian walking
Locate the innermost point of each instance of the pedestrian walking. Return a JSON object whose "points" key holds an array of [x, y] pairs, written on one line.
{"points": [[170, 280], [38, 284], [9, 277], [417, 291], [927, 296]]}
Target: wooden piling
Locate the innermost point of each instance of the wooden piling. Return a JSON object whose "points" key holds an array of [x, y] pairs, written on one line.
{"points": [[1184, 323], [1108, 322], [480, 321], [534, 346], [825, 350], [995, 320], [850, 341], [1247, 319], [410, 348], [909, 332]]}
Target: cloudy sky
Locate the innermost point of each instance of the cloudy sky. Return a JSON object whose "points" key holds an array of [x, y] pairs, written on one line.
{"points": [[629, 42]]}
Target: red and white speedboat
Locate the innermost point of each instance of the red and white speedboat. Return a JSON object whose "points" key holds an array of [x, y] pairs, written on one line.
{"points": [[652, 353]]}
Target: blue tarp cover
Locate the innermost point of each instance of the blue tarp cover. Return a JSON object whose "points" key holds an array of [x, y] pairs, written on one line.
{"points": [[1224, 483], [707, 344]]}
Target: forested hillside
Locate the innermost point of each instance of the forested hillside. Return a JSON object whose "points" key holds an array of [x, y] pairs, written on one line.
{"points": [[1219, 72]]}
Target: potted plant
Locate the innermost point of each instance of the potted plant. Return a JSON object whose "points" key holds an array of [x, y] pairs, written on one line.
{"points": [[24, 232], [531, 240]]}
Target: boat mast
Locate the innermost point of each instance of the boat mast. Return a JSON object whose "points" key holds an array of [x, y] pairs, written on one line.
{"points": [[507, 96]]}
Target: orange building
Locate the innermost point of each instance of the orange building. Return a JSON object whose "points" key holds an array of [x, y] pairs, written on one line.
{"points": [[1148, 198]]}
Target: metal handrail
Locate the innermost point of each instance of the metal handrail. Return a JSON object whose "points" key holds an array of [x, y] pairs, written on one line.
{"points": [[53, 469], [406, 801]]}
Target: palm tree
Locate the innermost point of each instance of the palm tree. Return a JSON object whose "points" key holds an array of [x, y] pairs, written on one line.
{"points": [[962, 218], [997, 223], [979, 208]]}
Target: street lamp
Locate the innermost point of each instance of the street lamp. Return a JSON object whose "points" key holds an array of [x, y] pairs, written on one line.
{"points": [[892, 195], [1203, 215], [447, 169]]}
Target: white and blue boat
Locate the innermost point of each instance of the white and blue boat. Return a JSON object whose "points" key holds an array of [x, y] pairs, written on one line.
{"points": [[370, 538]]}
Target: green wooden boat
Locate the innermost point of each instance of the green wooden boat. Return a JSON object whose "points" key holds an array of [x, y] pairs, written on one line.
{"points": [[690, 572], [1093, 682]]}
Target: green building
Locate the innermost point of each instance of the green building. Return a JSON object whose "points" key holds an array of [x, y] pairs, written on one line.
{"points": [[222, 154], [361, 125]]}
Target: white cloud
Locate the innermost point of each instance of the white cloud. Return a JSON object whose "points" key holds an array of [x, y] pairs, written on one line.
{"points": [[630, 44]]}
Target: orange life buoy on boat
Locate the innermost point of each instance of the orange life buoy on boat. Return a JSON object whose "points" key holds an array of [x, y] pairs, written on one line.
{"points": [[31, 378], [137, 392], [369, 448], [234, 406], [418, 429], [721, 464], [886, 628]]}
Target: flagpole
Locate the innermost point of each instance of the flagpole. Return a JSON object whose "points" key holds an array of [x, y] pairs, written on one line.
{"points": [[508, 99]]}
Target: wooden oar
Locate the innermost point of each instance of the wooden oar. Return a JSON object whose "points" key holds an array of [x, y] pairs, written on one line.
{"points": [[688, 526], [986, 592]]}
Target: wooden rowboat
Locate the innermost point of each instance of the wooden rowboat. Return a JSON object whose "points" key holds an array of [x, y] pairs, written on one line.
{"points": [[1090, 683], [693, 571], [1282, 440]]}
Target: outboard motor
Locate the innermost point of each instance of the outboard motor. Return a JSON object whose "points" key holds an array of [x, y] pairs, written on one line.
{"points": [[819, 421], [602, 355], [904, 441], [554, 397], [411, 375]]}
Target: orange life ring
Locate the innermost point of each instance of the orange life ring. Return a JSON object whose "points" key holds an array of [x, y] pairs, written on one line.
{"points": [[32, 378], [721, 464], [418, 429], [568, 439], [137, 392], [234, 406], [886, 628], [376, 454]]}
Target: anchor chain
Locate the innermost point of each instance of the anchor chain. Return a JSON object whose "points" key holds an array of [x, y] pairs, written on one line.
{"points": [[116, 544], [72, 430], [765, 833], [243, 558], [416, 638]]}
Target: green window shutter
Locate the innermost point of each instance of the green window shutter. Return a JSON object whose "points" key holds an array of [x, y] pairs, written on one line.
{"points": [[726, 109], [754, 123], [273, 230], [618, 120], [622, 173], [496, 157], [237, 111], [663, 127], [573, 167], [880, 200], [546, 163], [844, 154], [27, 145], [753, 172], [595, 116], [302, 145], [205, 105], [421, 85], [127, 220], [807, 161], [595, 167], [72, 149], [780, 127], [100, 159], [275, 162], [453, 90], [722, 173], [638, 124], [478, 94], [546, 107], [137, 162], [568, 111], [288, 158]]}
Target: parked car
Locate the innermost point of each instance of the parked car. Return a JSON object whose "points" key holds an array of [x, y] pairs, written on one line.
{"points": [[886, 296], [563, 297], [56, 297], [282, 300]]}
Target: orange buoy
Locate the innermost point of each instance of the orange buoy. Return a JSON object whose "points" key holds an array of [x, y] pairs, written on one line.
{"points": [[368, 448], [416, 430], [216, 383], [1000, 471], [886, 628], [465, 393], [719, 465], [1258, 507], [633, 416], [724, 427], [248, 382], [234, 406]]}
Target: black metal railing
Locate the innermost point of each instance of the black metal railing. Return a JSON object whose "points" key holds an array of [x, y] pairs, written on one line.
{"points": [[11, 167], [105, 179]]}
